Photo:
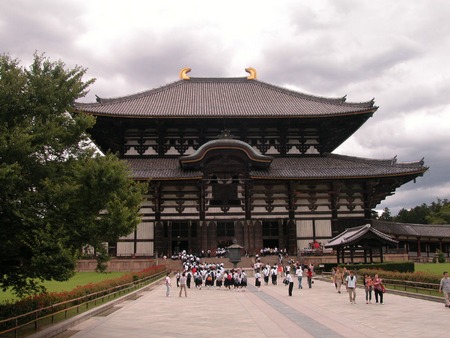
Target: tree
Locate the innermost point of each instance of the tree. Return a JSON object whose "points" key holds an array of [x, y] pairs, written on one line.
{"points": [[442, 216], [56, 193], [416, 215], [386, 215]]}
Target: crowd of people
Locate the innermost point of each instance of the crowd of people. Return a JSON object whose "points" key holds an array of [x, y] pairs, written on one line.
{"points": [[207, 275], [372, 285], [215, 275], [272, 251]]}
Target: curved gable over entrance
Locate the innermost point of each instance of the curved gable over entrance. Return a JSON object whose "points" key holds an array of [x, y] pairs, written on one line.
{"points": [[227, 152]]}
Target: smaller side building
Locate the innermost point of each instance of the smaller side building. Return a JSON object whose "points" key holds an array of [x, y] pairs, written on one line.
{"points": [[419, 241]]}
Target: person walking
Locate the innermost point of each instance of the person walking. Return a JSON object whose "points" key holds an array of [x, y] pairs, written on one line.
{"points": [[350, 283], [168, 284], [368, 287], [309, 275], [299, 274], [188, 279], [274, 274], [183, 280], [266, 272], [378, 288], [258, 280], [177, 277], [338, 279], [290, 283], [444, 286]]}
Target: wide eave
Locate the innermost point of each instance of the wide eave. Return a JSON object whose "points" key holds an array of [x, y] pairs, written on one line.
{"points": [[331, 166], [223, 98]]}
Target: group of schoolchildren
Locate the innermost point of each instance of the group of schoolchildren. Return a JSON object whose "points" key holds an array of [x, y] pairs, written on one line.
{"points": [[210, 275], [270, 274]]}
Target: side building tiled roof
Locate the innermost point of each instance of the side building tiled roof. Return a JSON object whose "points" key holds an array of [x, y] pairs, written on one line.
{"points": [[330, 166], [353, 235], [223, 98], [413, 230]]}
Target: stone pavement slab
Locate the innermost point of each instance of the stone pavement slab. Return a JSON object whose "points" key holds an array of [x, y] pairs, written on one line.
{"points": [[316, 312]]}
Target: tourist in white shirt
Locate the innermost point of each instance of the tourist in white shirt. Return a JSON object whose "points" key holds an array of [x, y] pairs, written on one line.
{"points": [[168, 284], [299, 274], [350, 283]]}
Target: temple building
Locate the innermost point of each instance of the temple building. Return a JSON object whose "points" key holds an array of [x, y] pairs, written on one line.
{"points": [[238, 158]]}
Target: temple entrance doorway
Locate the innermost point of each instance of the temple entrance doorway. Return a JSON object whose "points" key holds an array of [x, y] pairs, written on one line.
{"points": [[180, 245], [271, 243]]}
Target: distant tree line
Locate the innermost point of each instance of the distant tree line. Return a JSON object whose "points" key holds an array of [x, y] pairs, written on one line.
{"points": [[437, 212]]}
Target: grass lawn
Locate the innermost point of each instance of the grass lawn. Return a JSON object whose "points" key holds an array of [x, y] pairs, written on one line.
{"points": [[434, 268], [80, 279]]}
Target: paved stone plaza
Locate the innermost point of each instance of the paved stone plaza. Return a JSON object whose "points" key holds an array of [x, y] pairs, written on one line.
{"points": [[316, 312]]}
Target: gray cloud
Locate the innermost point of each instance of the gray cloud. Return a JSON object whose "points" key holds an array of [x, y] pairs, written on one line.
{"points": [[397, 53]]}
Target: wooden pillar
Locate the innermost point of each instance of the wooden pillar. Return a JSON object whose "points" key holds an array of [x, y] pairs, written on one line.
{"points": [[371, 255], [418, 247], [351, 254], [381, 254], [291, 235], [211, 240], [246, 240], [281, 237], [204, 235], [190, 225], [169, 237], [365, 255], [160, 242], [257, 228]]}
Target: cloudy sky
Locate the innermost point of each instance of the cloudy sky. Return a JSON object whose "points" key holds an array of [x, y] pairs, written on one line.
{"points": [[397, 52]]}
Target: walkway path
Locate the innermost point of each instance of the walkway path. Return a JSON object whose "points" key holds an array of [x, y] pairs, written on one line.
{"points": [[316, 312]]}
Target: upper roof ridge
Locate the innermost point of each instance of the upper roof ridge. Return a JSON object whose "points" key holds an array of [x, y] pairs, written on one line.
{"points": [[390, 161], [341, 101]]}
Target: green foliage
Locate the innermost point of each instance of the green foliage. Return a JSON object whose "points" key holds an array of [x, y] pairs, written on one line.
{"points": [[440, 257], [12, 309], [418, 276], [436, 269], [389, 266], [441, 216], [56, 193], [416, 215], [436, 213], [386, 215]]}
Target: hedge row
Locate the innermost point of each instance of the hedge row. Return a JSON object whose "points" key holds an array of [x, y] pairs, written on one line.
{"points": [[419, 276], [11, 309], [390, 266]]}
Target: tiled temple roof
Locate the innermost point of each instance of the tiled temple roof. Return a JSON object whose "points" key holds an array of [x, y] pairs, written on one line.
{"points": [[330, 166], [223, 98], [413, 230], [354, 235]]}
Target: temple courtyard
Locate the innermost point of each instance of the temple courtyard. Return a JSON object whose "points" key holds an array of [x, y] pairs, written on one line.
{"points": [[270, 312]]}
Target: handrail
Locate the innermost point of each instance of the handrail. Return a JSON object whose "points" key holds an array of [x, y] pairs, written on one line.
{"points": [[84, 300], [404, 284]]}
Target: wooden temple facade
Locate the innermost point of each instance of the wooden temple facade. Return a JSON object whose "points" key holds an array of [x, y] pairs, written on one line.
{"points": [[238, 158]]}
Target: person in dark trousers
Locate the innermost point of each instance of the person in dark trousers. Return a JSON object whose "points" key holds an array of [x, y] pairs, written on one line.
{"points": [[291, 284], [309, 275]]}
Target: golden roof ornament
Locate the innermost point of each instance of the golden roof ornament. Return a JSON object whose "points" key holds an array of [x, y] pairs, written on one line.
{"points": [[252, 72], [183, 73]]}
